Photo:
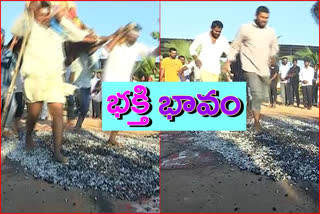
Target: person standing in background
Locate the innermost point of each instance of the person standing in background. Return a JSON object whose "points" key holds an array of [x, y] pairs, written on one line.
{"points": [[170, 66], [294, 83], [315, 86], [306, 78], [274, 71], [283, 71]]}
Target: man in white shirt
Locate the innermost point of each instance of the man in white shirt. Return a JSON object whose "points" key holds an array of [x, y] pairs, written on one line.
{"points": [[43, 69], [306, 77], [120, 63], [96, 110], [185, 71], [192, 70], [213, 45], [122, 58], [283, 71]]}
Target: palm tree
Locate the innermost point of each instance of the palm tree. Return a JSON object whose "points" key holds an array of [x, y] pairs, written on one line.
{"points": [[145, 67], [182, 47], [315, 12], [308, 53], [155, 35]]}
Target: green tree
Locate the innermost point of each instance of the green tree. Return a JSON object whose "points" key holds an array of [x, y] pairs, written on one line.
{"points": [[308, 53], [145, 67], [182, 47], [315, 12], [155, 35]]}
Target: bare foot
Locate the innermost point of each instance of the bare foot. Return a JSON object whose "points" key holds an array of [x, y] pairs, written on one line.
{"points": [[60, 158], [114, 142], [257, 127], [29, 143]]}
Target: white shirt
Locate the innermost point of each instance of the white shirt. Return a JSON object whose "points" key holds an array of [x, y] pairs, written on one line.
{"points": [[121, 61], [93, 82], [187, 72], [306, 74], [283, 71], [210, 53], [195, 70], [97, 97]]}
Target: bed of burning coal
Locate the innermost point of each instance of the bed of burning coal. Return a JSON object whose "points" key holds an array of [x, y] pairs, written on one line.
{"points": [[129, 172], [288, 148]]}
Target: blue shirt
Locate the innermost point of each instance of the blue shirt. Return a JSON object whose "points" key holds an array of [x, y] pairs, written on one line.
{"points": [[8, 62]]}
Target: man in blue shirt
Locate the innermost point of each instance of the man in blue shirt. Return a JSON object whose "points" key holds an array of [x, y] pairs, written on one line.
{"points": [[8, 62]]}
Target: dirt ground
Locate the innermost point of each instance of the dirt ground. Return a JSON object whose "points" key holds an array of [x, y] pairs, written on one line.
{"points": [[205, 182], [285, 111], [21, 192]]}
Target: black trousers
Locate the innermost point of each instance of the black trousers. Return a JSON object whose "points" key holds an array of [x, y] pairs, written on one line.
{"points": [[71, 114], [97, 109], [307, 95], [273, 93], [93, 110], [289, 94], [20, 104], [315, 89], [295, 92]]}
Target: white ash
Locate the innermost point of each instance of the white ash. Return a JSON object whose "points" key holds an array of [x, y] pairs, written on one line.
{"points": [[128, 173], [287, 149]]}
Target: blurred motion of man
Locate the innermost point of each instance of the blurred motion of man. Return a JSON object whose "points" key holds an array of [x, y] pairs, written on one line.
{"points": [[121, 60]]}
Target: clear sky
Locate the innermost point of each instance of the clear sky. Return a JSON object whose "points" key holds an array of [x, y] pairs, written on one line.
{"points": [[104, 17], [291, 20]]}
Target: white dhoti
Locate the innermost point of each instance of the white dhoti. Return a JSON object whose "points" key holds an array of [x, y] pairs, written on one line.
{"points": [[53, 90], [43, 62]]}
